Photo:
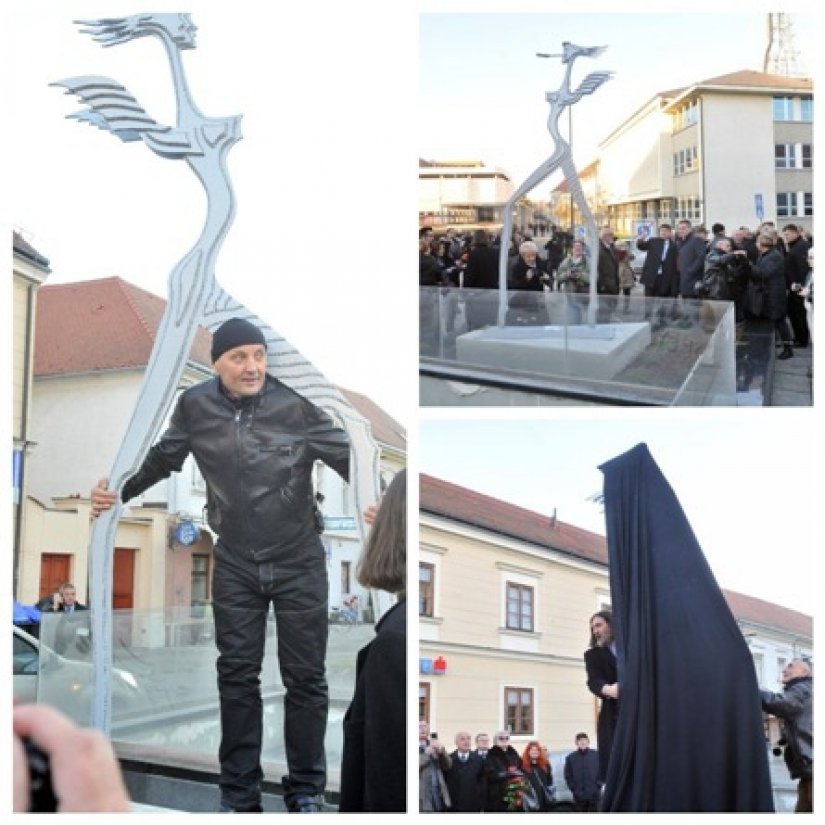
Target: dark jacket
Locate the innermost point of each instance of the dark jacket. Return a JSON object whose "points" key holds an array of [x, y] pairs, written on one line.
{"points": [[600, 664], [608, 269], [581, 769], [519, 279], [541, 781], [374, 761], [464, 781], [769, 271], [795, 707], [664, 284], [796, 262], [256, 456], [725, 273], [690, 261], [497, 768], [482, 268]]}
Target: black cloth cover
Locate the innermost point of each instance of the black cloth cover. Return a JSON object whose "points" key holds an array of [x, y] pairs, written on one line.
{"points": [[689, 736]]}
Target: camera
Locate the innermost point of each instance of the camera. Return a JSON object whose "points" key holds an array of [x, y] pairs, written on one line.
{"points": [[433, 736], [41, 798]]}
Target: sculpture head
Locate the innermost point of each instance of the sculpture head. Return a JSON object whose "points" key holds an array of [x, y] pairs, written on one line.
{"points": [[111, 31]]}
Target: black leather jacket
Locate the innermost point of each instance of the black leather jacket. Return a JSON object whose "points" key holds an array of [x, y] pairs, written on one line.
{"points": [[256, 456], [795, 707]]}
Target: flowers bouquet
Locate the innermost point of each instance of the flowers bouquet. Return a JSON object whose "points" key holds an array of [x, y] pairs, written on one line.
{"points": [[515, 785]]}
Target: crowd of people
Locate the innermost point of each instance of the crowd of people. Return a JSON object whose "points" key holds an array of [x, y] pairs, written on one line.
{"points": [[765, 273], [499, 778]]}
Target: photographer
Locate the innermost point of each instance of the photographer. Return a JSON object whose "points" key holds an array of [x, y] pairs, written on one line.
{"points": [[433, 761], [795, 706], [85, 775]]}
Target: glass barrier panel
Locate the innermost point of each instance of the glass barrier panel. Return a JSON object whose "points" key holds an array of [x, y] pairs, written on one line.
{"points": [[164, 686], [554, 348]]}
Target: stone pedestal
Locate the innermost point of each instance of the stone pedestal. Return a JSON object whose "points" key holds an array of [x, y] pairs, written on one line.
{"points": [[599, 352]]}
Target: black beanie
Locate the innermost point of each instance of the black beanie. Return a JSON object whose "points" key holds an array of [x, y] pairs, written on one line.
{"points": [[235, 333]]}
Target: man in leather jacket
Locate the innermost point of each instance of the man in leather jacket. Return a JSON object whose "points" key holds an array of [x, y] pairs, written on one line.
{"points": [[255, 442], [795, 706]]}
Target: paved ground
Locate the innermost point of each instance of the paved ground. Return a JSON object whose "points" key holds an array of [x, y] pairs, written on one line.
{"points": [[792, 381]]}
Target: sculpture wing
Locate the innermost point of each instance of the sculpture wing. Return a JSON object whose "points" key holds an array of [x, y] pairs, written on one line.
{"points": [[111, 107], [591, 83]]}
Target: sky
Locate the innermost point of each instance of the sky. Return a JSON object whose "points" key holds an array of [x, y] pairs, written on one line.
{"points": [[320, 246], [482, 88], [745, 481]]}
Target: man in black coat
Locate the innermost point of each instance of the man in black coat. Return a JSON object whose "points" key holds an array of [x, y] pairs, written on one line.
{"points": [[659, 276], [464, 777], [581, 770], [690, 258], [481, 274], [796, 271], [795, 707]]}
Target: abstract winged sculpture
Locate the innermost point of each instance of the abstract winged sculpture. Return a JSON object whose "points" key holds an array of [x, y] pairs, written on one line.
{"points": [[195, 298], [562, 156]]}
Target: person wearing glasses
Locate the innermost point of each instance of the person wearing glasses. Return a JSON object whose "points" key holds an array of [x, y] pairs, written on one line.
{"points": [[502, 763]]}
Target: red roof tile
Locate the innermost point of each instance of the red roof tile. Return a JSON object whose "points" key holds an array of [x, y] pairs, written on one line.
{"points": [[442, 498], [103, 324]]}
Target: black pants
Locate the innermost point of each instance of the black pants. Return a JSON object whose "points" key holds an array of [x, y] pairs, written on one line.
{"points": [[242, 591], [798, 318]]}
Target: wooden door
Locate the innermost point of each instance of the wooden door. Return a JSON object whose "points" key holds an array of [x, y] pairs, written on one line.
{"points": [[54, 571], [123, 590]]}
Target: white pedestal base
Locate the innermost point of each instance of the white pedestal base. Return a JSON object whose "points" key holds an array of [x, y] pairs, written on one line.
{"points": [[589, 352]]}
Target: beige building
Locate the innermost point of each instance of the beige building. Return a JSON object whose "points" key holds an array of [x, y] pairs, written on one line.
{"points": [[464, 194], [29, 270], [505, 596], [734, 149]]}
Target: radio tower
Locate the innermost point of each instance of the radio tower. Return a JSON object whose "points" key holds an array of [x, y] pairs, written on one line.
{"points": [[782, 56]]}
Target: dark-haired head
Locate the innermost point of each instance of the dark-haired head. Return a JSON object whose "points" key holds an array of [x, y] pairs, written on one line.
{"points": [[383, 564]]}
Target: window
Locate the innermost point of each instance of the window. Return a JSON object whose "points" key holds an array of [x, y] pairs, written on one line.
{"points": [[793, 156], [423, 701], [688, 209], [519, 607], [783, 108], [807, 156], [686, 115], [806, 109], [685, 160], [809, 204], [785, 204], [426, 589], [518, 710], [785, 155], [200, 579]]}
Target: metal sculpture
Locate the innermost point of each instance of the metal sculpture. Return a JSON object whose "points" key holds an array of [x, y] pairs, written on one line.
{"points": [[195, 298], [562, 157]]}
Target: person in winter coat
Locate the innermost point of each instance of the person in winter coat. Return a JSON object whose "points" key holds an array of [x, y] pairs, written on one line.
{"points": [[573, 277], [503, 763], [528, 276], [769, 273], [374, 760], [539, 773], [795, 706], [581, 769]]}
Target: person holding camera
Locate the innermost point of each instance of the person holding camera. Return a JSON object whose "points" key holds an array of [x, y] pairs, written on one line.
{"points": [[433, 761], [795, 707], [84, 774]]}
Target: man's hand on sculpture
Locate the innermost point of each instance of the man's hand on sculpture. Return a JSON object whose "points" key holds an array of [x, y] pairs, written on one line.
{"points": [[102, 497]]}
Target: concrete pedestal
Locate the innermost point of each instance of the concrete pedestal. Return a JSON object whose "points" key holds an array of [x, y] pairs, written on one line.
{"points": [[599, 352]]}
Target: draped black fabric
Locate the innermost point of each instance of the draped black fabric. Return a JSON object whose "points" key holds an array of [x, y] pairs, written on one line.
{"points": [[689, 735]]}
